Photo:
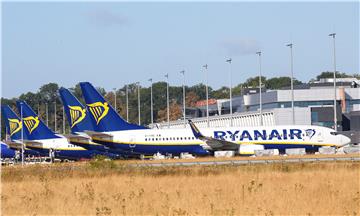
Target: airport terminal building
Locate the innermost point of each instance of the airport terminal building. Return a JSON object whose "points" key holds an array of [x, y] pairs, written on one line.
{"points": [[313, 106]]}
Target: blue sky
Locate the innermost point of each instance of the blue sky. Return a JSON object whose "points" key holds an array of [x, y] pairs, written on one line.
{"points": [[111, 44]]}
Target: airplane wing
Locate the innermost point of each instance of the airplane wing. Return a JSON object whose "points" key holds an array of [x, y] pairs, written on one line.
{"points": [[94, 134], [31, 143], [213, 144], [13, 144], [76, 137]]}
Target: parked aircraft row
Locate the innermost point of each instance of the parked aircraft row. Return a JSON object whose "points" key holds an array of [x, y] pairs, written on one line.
{"points": [[98, 129]]}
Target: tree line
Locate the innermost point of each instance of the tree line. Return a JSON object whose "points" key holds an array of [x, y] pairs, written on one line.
{"points": [[47, 98]]}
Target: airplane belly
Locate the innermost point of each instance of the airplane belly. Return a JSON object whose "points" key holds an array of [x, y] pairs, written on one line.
{"points": [[170, 149], [282, 147]]}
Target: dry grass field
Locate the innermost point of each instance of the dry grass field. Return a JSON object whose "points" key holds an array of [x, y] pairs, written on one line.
{"points": [[108, 188]]}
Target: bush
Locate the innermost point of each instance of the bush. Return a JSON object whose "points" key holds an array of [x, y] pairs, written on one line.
{"points": [[102, 162]]}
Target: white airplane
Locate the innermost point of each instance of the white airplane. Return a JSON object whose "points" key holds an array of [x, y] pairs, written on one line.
{"points": [[79, 121], [113, 131], [41, 139]]}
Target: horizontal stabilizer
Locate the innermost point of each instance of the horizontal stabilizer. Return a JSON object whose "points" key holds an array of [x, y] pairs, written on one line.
{"points": [[31, 142], [98, 134]]}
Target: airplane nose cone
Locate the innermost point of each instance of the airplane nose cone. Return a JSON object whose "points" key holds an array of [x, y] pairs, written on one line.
{"points": [[345, 140]]}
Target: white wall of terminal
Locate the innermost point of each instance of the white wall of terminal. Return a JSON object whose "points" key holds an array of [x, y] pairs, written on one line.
{"points": [[277, 116], [313, 94], [274, 116]]}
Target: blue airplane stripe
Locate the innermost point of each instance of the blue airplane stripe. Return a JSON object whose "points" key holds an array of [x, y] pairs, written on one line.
{"points": [[66, 154], [99, 148], [153, 149]]}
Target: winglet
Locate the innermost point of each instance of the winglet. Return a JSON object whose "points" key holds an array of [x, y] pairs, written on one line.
{"points": [[195, 130]]}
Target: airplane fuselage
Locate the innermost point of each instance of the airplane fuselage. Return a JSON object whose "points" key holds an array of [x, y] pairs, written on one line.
{"points": [[61, 147], [176, 141]]}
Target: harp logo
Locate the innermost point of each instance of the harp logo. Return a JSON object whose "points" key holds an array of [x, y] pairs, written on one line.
{"points": [[98, 110], [15, 126], [77, 114], [310, 133], [31, 123]]}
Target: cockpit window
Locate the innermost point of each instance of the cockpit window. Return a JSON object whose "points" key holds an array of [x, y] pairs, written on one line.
{"points": [[333, 133]]}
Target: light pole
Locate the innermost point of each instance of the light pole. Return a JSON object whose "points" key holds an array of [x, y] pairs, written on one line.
{"points": [[47, 114], [292, 83], [138, 92], [151, 102], [335, 113], [115, 99], [167, 99], [22, 134], [207, 94], [127, 102], [184, 105], [55, 116], [63, 120], [260, 87], [230, 86]]}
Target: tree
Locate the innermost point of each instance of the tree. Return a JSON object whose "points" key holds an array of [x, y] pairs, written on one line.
{"points": [[78, 93], [200, 90], [253, 82], [280, 82], [175, 112], [221, 93], [330, 74], [49, 92], [237, 90], [191, 99], [31, 99]]}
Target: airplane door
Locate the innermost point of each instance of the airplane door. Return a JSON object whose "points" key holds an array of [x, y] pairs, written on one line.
{"points": [[132, 142], [320, 136]]}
